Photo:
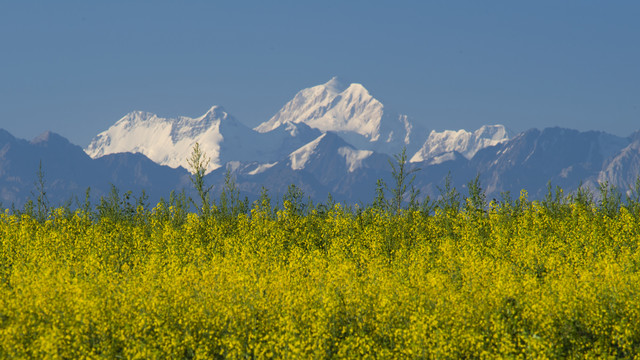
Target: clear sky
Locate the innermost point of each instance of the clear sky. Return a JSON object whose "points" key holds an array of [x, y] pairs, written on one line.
{"points": [[76, 67]]}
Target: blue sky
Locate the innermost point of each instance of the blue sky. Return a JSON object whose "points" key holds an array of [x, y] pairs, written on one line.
{"points": [[76, 67]]}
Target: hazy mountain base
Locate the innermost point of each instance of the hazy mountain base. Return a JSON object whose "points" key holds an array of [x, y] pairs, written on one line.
{"points": [[530, 161], [397, 192]]}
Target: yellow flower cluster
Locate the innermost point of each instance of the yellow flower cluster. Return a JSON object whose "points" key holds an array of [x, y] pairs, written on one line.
{"points": [[515, 281]]}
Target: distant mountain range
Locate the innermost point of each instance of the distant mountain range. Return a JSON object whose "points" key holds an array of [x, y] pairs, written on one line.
{"points": [[329, 138]]}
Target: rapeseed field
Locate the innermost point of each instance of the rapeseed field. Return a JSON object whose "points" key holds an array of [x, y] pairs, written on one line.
{"points": [[507, 279]]}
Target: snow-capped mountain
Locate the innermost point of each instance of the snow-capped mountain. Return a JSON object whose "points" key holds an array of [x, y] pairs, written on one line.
{"points": [[344, 157], [351, 112], [329, 138], [442, 146], [169, 141], [337, 156]]}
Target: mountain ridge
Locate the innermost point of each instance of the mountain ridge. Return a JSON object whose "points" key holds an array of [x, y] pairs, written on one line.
{"points": [[329, 138], [564, 157], [350, 111]]}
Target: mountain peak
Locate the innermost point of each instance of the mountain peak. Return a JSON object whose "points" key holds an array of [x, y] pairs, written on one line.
{"points": [[49, 137], [334, 85], [462, 141], [138, 114], [350, 111], [169, 141], [216, 111], [134, 118], [496, 132], [357, 93]]}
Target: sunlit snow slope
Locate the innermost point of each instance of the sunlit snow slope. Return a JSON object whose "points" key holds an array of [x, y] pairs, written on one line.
{"points": [[169, 141], [351, 112], [440, 146]]}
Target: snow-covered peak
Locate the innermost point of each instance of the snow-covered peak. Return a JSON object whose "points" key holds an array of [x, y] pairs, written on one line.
{"points": [[464, 142], [134, 118], [304, 105], [334, 85], [351, 111], [215, 112], [331, 153], [300, 157], [169, 141], [357, 92], [492, 133], [331, 107]]}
